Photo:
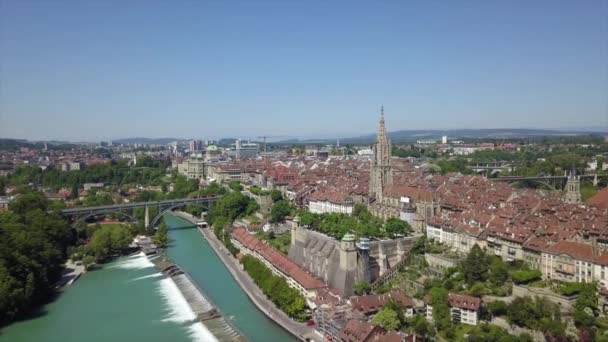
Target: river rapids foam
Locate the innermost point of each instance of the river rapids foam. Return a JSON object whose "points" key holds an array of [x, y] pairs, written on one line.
{"points": [[138, 261], [179, 311]]}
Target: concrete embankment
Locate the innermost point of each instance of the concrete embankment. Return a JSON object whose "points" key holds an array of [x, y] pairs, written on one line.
{"points": [[205, 311], [299, 330]]}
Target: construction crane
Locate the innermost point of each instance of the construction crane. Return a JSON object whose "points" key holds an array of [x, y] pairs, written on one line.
{"points": [[264, 137], [264, 140]]}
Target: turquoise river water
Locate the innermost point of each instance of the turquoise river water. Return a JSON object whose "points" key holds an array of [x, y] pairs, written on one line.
{"points": [[129, 300]]}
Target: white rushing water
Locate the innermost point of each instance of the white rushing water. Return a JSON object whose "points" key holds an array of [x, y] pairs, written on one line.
{"points": [[179, 311], [155, 275], [199, 333], [138, 261]]}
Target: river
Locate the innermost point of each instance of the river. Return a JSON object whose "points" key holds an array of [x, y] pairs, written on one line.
{"points": [[129, 300]]}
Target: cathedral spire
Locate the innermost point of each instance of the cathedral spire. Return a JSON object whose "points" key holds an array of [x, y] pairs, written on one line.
{"points": [[381, 172], [381, 136]]}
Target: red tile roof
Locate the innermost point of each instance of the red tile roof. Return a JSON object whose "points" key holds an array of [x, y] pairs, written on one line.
{"points": [[577, 250], [372, 303], [358, 331], [600, 199], [276, 258], [464, 301]]}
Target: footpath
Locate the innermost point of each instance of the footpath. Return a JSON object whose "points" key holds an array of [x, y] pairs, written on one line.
{"points": [[300, 330]]}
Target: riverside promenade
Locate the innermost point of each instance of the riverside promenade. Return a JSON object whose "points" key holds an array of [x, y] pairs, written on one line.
{"points": [[300, 330]]}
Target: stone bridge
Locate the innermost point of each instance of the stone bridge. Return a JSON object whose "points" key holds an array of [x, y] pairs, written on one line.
{"points": [[79, 215], [552, 182]]}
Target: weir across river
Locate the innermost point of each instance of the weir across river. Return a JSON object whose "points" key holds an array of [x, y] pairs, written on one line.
{"points": [[130, 300], [205, 311]]}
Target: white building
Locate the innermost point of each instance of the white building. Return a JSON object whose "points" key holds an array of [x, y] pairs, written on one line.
{"points": [[319, 207], [464, 151], [463, 309], [366, 152], [193, 167]]}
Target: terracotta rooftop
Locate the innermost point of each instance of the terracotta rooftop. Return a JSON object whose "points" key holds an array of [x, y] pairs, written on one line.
{"points": [[372, 303], [600, 199], [576, 250], [358, 331], [276, 258], [464, 301]]}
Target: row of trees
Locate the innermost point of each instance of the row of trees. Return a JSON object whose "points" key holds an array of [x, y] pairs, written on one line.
{"points": [[227, 209], [361, 223], [276, 288], [97, 243], [151, 172], [109, 240], [481, 274], [535, 313], [33, 246]]}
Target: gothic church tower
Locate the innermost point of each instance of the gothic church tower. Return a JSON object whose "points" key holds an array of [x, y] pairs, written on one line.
{"points": [[381, 174], [573, 188]]}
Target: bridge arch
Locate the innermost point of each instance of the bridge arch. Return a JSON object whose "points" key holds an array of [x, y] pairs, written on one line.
{"points": [[523, 181], [162, 212], [81, 214], [83, 218]]}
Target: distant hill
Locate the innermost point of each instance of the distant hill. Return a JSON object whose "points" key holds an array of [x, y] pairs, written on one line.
{"points": [[148, 141], [413, 135]]}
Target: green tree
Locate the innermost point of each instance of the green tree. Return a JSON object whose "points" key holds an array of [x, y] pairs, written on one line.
{"points": [[490, 333], [361, 288], [276, 288], [585, 307], [387, 319], [279, 211], [422, 327], [182, 187], [108, 240], [536, 313], [497, 308], [396, 227], [161, 238], [28, 201], [307, 218], [276, 196], [499, 272], [89, 262], [33, 245], [438, 298], [478, 290], [74, 193], [235, 186], [360, 211], [231, 206], [525, 276], [476, 265]]}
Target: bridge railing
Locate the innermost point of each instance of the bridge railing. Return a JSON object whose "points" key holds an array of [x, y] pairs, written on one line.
{"points": [[162, 203]]}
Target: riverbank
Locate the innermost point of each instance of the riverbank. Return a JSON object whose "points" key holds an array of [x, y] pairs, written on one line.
{"points": [[133, 301], [69, 275], [299, 330]]}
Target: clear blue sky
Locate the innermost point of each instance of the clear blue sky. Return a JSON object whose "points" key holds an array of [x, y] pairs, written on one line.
{"points": [[109, 69]]}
